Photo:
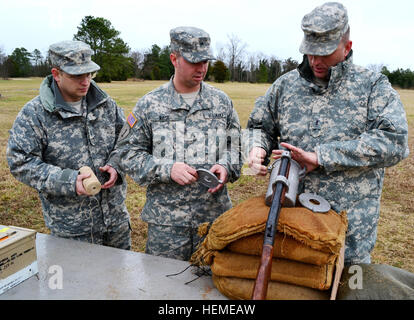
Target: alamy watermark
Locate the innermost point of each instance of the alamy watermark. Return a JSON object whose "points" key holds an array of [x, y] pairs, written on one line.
{"points": [[356, 280], [56, 278]]}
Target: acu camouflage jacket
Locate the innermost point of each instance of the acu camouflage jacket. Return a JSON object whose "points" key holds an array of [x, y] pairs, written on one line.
{"points": [[50, 141], [357, 126], [164, 129]]}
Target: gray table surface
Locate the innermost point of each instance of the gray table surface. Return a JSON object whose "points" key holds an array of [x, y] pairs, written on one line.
{"points": [[88, 271]]}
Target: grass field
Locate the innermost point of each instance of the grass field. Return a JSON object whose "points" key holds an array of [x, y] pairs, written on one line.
{"points": [[20, 206]]}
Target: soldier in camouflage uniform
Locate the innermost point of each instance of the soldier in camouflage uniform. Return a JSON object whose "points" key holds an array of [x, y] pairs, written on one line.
{"points": [[72, 123], [177, 128], [343, 122]]}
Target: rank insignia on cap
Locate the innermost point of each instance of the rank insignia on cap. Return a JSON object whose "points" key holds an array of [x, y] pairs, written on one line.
{"points": [[131, 119]]}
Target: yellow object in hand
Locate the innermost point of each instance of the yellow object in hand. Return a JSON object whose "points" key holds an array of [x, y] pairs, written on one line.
{"points": [[91, 184]]}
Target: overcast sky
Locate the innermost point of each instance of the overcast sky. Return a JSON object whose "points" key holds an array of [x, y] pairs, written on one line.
{"points": [[382, 31]]}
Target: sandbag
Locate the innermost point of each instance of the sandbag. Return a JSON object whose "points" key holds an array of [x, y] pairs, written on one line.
{"points": [[324, 232], [242, 289], [378, 282], [284, 247], [230, 264]]}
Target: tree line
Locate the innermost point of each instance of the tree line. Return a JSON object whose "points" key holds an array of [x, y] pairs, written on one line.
{"points": [[400, 78], [119, 62]]}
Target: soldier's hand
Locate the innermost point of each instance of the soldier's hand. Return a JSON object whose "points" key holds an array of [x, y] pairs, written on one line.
{"points": [[255, 160], [222, 175], [80, 189], [113, 175], [183, 174], [304, 158]]}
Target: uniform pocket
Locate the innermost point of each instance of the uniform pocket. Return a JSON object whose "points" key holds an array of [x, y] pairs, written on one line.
{"points": [[71, 216]]}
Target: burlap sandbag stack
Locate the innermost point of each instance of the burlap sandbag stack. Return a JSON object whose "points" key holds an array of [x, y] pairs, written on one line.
{"points": [[307, 247]]}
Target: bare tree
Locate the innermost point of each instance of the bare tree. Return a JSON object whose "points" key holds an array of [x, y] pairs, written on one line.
{"points": [[138, 60], [2, 55], [236, 50], [37, 57], [3, 59], [221, 52], [252, 66]]}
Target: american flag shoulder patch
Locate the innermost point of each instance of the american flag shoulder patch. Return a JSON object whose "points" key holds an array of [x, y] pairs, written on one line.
{"points": [[131, 119]]}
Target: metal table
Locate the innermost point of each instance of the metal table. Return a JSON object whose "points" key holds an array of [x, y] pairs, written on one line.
{"points": [[70, 269]]}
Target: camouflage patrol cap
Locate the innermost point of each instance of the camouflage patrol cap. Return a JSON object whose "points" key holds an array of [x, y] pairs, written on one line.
{"points": [[192, 43], [72, 57], [323, 29]]}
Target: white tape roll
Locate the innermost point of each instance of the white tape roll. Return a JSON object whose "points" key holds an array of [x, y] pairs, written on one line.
{"points": [[91, 184]]}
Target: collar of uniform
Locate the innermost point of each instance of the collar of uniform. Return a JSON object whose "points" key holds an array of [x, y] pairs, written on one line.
{"points": [[94, 97], [335, 73], [306, 73], [59, 102], [338, 71], [47, 96], [177, 101], [305, 70], [200, 101]]}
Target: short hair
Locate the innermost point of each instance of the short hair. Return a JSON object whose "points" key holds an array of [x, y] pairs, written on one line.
{"points": [[177, 54]]}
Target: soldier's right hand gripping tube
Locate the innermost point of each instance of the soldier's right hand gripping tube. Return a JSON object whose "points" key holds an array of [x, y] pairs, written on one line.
{"points": [[281, 186]]}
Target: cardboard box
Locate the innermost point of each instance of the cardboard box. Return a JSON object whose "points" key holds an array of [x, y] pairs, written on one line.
{"points": [[18, 259]]}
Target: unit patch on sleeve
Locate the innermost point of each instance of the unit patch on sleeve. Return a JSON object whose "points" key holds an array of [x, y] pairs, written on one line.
{"points": [[131, 119]]}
